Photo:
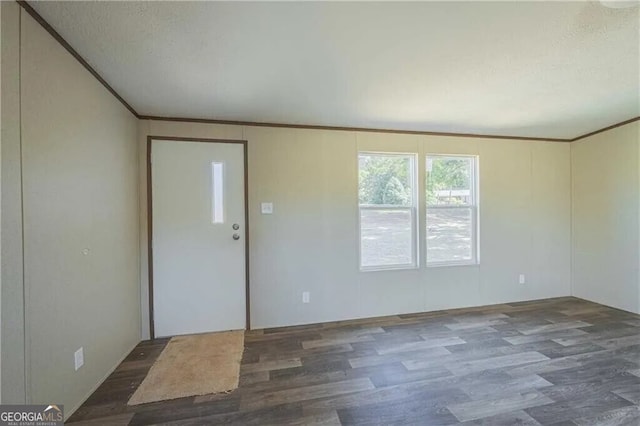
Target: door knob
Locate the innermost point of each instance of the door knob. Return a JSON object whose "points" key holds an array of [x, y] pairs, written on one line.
{"points": [[235, 226], [236, 236]]}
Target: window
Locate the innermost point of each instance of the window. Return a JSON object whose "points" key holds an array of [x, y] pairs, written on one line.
{"points": [[387, 197], [451, 210], [217, 192]]}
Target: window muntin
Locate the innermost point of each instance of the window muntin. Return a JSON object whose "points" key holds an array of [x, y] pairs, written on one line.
{"points": [[387, 201], [451, 219]]}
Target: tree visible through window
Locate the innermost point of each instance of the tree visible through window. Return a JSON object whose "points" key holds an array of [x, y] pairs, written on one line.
{"points": [[387, 210], [451, 210]]}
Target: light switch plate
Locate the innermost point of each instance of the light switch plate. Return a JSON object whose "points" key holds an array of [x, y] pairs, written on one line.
{"points": [[266, 208]]}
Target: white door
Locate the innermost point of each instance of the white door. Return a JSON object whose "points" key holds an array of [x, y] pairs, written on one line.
{"points": [[198, 238]]}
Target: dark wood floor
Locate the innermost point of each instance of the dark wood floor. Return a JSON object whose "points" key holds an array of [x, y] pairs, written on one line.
{"points": [[559, 361]]}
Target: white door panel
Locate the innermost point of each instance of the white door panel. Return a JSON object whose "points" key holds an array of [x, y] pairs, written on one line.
{"points": [[198, 267]]}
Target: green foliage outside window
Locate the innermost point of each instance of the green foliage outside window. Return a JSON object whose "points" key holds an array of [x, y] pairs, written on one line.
{"points": [[385, 180], [447, 174]]}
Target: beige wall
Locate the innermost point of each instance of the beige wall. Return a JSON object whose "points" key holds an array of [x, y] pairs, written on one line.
{"points": [[0, 212], [606, 214], [79, 169], [311, 242], [12, 342]]}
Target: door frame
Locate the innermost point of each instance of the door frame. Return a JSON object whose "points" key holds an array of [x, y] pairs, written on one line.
{"points": [[150, 139]]}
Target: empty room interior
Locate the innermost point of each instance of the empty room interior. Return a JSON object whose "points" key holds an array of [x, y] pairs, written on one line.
{"points": [[320, 213]]}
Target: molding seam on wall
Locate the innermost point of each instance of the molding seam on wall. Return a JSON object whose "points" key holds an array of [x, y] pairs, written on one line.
{"points": [[26, 335]]}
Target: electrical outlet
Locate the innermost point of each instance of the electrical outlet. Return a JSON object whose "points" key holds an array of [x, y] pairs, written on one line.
{"points": [[521, 279], [305, 297], [78, 358]]}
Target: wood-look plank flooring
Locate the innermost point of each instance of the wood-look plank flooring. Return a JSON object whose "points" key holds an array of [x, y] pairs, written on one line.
{"points": [[560, 361]]}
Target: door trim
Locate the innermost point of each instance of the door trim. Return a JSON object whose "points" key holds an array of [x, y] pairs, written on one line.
{"points": [[150, 139]]}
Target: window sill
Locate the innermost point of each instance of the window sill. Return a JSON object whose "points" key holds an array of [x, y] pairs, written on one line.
{"points": [[389, 268], [451, 264]]}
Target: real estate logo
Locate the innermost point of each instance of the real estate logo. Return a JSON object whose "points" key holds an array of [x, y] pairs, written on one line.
{"points": [[31, 415]]}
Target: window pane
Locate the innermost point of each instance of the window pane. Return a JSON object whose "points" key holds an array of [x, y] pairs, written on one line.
{"points": [[449, 180], [217, 196], [385, 179], [385, 237], [449, 235]]}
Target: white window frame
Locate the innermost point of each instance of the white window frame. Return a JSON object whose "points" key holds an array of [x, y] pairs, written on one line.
{"points": [[473, 206], [413, 209]]}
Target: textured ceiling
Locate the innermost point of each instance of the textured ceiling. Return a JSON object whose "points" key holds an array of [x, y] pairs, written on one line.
{"points": [[542, 69]]}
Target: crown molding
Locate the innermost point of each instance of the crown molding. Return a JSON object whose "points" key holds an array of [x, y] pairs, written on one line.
{"points": [[27, 7], [604, 129], [347, 129], [35, 15]]}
